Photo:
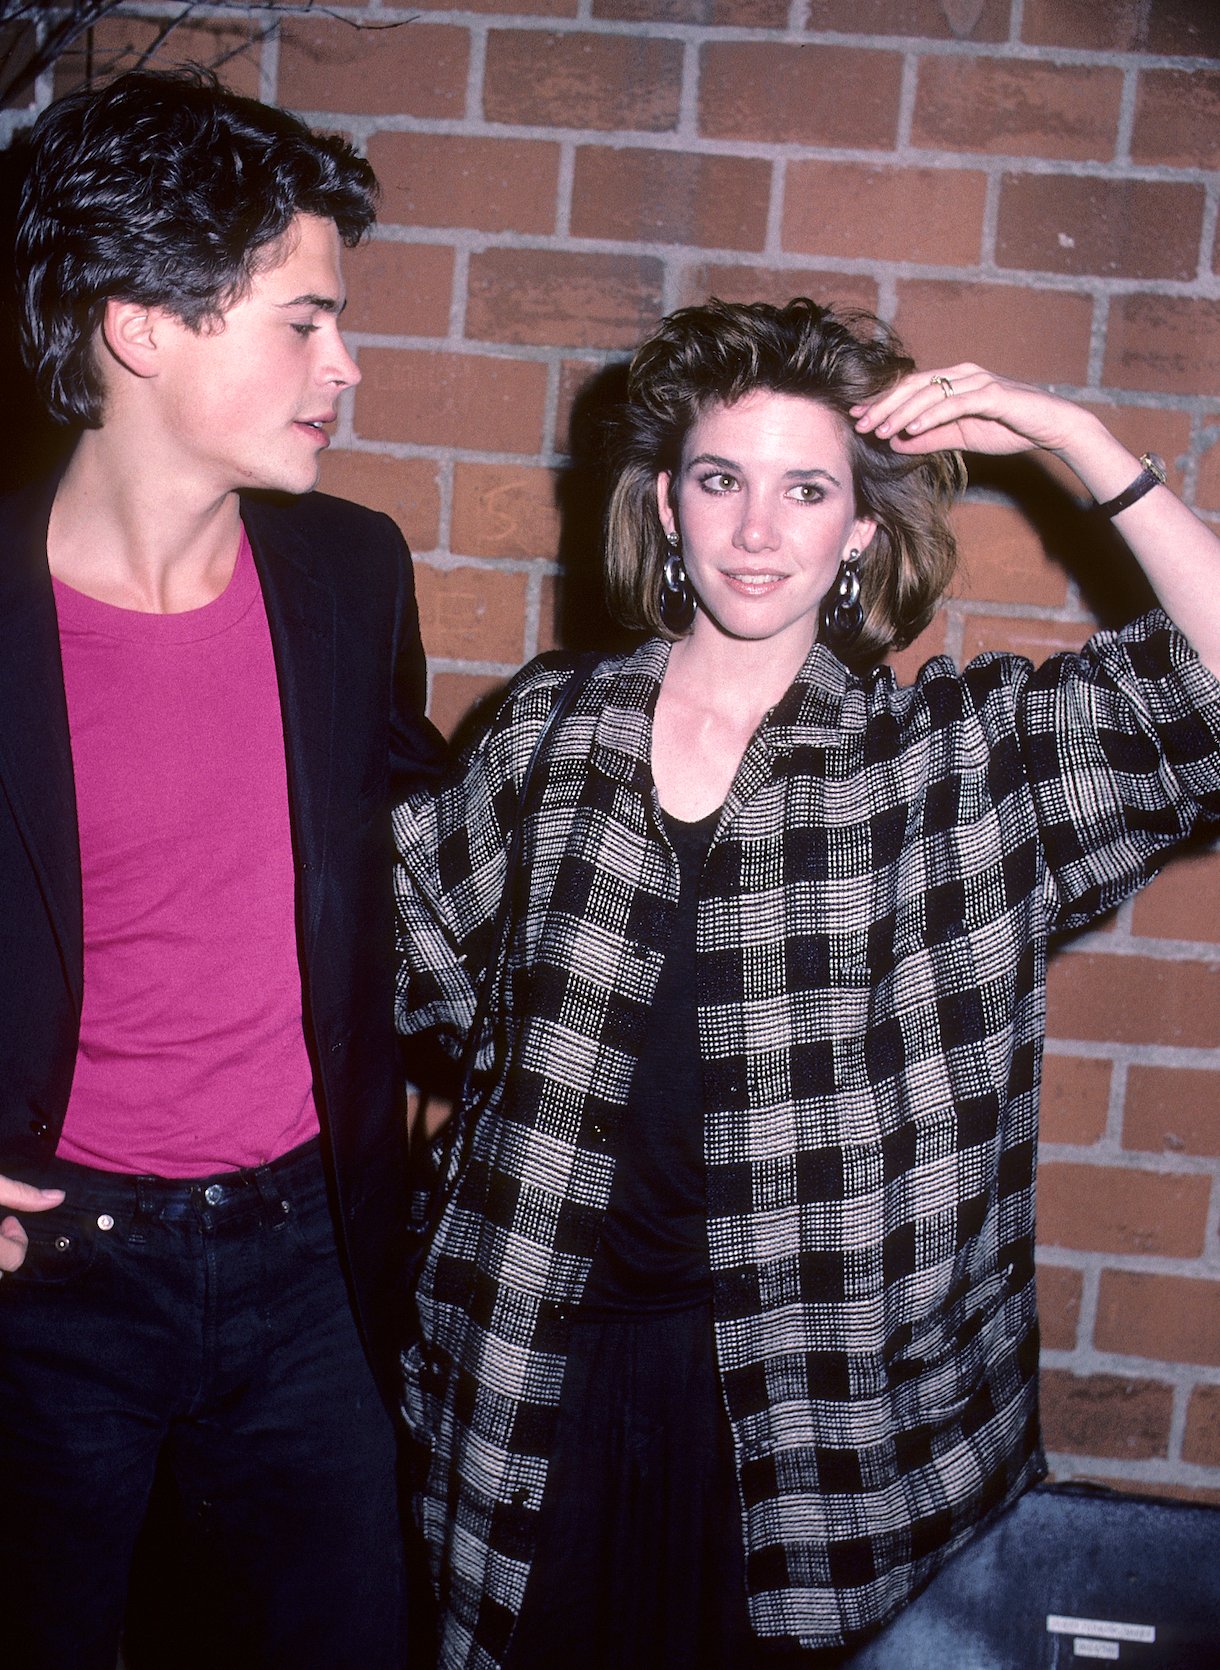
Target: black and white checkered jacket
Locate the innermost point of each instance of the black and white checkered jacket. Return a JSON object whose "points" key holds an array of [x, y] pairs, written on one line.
{"points": [[872, 940]]}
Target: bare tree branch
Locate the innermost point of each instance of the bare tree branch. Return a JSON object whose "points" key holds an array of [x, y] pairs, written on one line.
{"points": [[36, 34]]}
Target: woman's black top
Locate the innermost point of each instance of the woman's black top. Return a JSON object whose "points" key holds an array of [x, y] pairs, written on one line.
{"points": [[653, 1251]]}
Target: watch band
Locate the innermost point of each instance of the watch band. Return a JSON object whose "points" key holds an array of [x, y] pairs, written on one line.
{"points": [[1151, 475]]}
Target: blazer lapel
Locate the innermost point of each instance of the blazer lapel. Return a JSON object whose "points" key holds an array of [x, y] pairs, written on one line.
{"points": [[35, 745], [301, 613]]}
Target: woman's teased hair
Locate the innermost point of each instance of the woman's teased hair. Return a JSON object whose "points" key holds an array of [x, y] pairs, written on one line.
{"points": [[716, 354], [165, 189]]}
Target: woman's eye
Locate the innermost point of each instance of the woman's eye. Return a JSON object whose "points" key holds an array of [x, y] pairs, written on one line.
{"points": [[720, 482], [808, 493]]}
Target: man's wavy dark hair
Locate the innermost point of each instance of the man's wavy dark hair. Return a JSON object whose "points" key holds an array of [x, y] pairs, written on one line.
{"points": [[164, 189]]}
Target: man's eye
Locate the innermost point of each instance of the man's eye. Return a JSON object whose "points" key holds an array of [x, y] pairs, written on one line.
{"points": [[304, 330]]}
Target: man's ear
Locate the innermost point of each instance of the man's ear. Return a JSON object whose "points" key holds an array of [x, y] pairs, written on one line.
{"points": [[129, 332]]}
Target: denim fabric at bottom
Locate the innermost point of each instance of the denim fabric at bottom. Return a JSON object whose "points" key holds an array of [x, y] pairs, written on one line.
{"points": [[206, 1322]]}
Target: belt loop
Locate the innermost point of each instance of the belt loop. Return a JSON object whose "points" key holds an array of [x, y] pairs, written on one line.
{"points": [[143, 1212], [269, 1190]]}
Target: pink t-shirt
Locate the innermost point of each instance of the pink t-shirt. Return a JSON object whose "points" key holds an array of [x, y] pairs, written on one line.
{"points": [[192, 1056]]}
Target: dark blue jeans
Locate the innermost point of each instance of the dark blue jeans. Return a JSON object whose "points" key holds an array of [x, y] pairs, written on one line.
{"points": [[206, 1327]]}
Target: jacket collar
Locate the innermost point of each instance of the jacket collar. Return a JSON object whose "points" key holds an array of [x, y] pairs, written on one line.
{"points": [[824, 704]]}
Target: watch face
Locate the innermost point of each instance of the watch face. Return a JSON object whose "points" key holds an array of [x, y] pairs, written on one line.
{"points": [[1155, 465]]}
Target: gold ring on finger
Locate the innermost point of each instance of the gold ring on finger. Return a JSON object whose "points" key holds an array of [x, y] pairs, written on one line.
{"points": [[944, 385]]}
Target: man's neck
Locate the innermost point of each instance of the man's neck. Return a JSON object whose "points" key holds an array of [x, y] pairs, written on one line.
{"points": [[131, 536]]}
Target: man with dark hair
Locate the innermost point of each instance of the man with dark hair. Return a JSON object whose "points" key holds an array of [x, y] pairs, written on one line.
{"points": [[211, 689]]}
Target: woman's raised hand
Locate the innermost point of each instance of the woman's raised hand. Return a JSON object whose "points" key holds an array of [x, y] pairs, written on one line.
{"points": [[974, 410], [967, 408]]}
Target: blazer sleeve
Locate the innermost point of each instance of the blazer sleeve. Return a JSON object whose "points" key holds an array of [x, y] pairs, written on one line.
{"points": [[418, 752]]}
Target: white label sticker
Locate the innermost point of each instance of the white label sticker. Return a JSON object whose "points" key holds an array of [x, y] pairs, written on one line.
{"points": [[1083, 1647], [1101, 1628]]}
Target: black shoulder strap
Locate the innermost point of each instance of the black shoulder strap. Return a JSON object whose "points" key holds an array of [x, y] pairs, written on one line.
{"points": [[569, 691]]}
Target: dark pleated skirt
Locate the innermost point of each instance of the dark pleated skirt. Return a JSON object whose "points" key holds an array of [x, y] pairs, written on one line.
{"points": [[639, 1561]]}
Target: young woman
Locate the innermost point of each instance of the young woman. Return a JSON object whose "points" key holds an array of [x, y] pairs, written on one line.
{"points": [[727, 1331]]}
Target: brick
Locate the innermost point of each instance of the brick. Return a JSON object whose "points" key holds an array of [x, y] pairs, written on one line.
{"points": [[522, 8], [1036, 640], [740, 283], [1110, 228], [1173, 1319], [938, 20], [1147, 429], [550, 623], [931, 641], [472, 614], [582, 402], [1075, 1100], [670, 197], [610, 82], [1186, 28], [326, 64], [398, 289], [799, 95], [1013, 107], [405, 488], [1155, 1487], [1172, 1110], [1177, 118], [1201, 1440], [504, 511], [1183, 901], [1105, 1414], [1040, 336], [1207, 482], [885, 214], [1134, 1000], [730, 14], [476, 401], [122, 43], [1002, 559], [1167, 344], [1110, 1209], [1140, 428], [492, 185], [558, 297], [1059, 1294], [455, 697]]}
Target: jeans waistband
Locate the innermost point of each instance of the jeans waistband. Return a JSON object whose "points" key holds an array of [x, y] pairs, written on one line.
{"points": [[292, 1176]]}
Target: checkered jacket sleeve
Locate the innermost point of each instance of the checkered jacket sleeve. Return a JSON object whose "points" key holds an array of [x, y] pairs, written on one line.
{"points": [[451, 855], [1119, 744]]}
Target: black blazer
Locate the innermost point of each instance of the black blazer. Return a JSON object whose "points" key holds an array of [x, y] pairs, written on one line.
{"points": [[340, 602]]}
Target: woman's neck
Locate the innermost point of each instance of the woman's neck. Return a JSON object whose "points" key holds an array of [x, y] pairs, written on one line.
{"points": [[715, 694]]}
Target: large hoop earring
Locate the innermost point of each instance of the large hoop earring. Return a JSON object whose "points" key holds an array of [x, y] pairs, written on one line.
{"points": [[842, 613], [677, 598]]}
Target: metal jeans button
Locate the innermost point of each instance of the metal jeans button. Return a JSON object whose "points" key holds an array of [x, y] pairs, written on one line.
{"points": [[214, 1194]]}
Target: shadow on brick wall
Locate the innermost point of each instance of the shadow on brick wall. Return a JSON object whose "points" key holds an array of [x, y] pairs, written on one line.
{"points": [[1112, 584], [582, 619]]}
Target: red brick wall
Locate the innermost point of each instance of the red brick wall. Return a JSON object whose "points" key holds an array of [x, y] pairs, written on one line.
{"points": [[1029, 183]]}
